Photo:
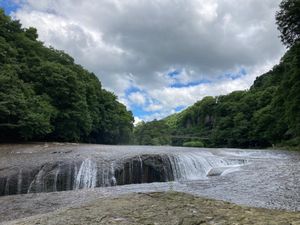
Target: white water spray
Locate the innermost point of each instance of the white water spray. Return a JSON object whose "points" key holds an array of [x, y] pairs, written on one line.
{"points": [[87, 175], [196, 166]]}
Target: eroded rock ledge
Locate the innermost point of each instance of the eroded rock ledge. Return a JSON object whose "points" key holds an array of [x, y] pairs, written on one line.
{"points": [[161, 208]]}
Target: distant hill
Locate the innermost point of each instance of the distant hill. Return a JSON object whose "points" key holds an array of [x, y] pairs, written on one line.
{"points": [[267, 114], [45, 96]]}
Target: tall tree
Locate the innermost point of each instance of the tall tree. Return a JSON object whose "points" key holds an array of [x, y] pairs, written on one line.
{"points": [[288, 21], [44, 95]]}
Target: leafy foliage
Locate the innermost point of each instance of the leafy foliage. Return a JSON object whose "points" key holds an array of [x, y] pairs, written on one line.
{"points": [[288, 21], [152, 133], [44, 95], [198, 144]]}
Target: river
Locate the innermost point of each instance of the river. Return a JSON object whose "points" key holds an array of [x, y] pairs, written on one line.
{"points": [[259, 178]]}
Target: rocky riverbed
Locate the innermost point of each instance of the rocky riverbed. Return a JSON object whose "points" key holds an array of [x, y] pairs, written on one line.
{"points": [[161, 208], [48, 183]]}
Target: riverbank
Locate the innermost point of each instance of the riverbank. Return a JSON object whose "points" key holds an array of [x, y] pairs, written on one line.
{"points": [[161, 208]]}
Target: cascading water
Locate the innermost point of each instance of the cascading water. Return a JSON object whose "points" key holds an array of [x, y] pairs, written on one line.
{"points": [[195, 166], [133, 169], [87, 175], [55, 179], [269, 179]]}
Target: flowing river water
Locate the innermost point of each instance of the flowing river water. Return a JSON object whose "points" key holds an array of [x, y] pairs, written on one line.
{"points": [[259, 178]]}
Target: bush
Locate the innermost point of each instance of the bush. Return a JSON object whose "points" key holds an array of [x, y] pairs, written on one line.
{"points": [[193, 144]]}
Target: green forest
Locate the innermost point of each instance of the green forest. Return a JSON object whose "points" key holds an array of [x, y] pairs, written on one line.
{"points": [[45, 96], [266, 115]]}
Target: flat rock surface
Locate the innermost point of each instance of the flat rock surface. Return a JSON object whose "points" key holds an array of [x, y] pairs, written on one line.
{"points": [[268, 179], [161, 208]]}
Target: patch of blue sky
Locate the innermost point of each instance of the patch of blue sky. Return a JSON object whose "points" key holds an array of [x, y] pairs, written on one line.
{"points": [[132, 89], [233, 76], [9, 6], [153, 101], [174, 73], [190, 84], [139, 111], [180, 108]]}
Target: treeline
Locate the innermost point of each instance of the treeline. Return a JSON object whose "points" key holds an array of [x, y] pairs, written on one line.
{"points": [[45, 96], [267, 114]]}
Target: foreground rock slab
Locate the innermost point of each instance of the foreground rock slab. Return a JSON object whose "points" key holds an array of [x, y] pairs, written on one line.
{"points": [[161, 208]]}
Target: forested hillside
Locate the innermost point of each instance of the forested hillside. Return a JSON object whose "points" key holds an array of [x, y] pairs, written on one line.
{"points": [[45, 96], [268, 114]]}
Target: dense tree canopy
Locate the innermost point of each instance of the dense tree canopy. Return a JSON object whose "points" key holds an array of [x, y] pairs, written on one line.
{"points": [[44, 95], [288, 21], [152, 133]]}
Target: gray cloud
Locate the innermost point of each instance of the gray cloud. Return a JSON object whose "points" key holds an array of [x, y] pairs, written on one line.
{"points": [[135, 42]]}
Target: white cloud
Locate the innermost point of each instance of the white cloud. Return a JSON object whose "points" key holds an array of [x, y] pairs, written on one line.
{"points": [[206, 9], [153, 107], [158, 115], [171, 98], [137, 42], [137, 98], [137, 120]]}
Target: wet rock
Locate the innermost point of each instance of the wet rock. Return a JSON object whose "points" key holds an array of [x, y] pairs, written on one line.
{"points": [[216, 171], [70, 175], [144, 169], [170, 208], [61, 152], [49, 177]]}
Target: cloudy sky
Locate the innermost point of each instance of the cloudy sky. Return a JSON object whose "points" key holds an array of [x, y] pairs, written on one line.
{"points": [[160, 56]]}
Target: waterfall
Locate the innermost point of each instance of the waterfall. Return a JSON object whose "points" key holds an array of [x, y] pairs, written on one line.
{"points": [[37, 184], [20, 182], [141, 168], [6, 190], [55, 178], [195, 166], [113, 180], [134, 169], [87, 175]]}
